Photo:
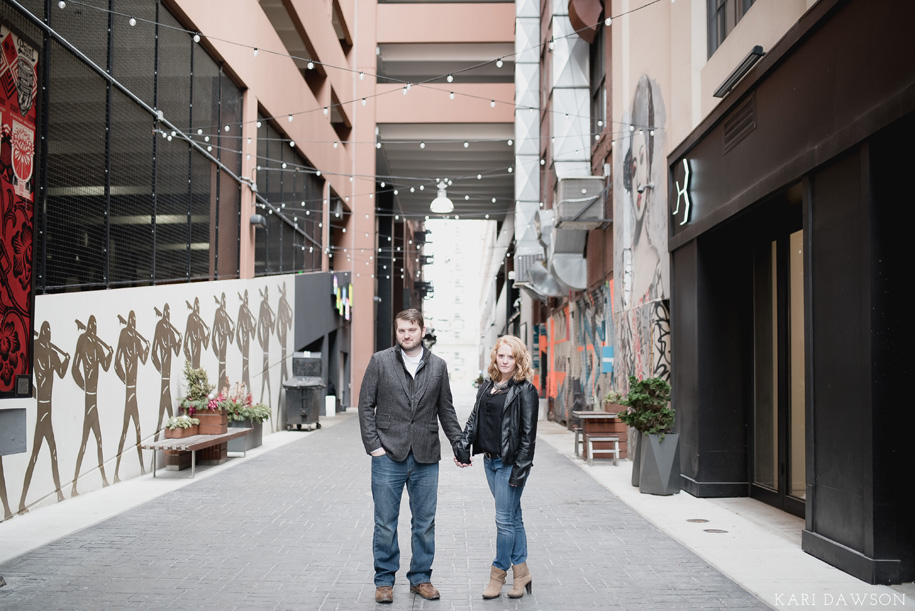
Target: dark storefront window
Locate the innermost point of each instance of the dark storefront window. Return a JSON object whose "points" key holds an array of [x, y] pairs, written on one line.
{"points": [[289, 197], [723, 15], [128, 202]]}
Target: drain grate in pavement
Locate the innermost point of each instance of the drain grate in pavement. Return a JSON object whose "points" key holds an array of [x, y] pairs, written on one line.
{"points": [[697, 520], [715, 530]]}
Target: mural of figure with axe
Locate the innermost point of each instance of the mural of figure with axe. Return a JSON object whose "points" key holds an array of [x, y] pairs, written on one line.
{"points": [[131, 347], [283, 324], [196, 333], [167, 340], [91, 353], [266, 323], [49, 360], [223, 335], [245, 327]]}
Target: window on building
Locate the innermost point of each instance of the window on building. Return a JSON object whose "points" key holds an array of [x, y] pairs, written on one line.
{"points": [[598, 83], [134, 198], [723, 15], [290, 197]]}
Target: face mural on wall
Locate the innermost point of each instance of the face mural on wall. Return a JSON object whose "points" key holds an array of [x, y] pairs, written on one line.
{"points": [[640, 258]]}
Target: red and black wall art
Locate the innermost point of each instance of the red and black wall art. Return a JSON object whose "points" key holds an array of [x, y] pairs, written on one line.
{"points": [[18, 116]]}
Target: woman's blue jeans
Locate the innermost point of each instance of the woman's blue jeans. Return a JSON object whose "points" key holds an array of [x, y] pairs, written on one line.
{"points": [[388, 480], [511, 540]]}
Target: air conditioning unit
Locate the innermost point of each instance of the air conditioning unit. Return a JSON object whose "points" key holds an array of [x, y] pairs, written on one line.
{"points": [[580, 202]]}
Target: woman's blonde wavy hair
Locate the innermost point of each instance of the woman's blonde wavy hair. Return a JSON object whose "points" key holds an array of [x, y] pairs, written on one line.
{"points": [[523, 369]]}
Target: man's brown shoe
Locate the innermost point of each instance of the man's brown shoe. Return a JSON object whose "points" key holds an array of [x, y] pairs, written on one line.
{"points": [[426, 590], [384, 594]]}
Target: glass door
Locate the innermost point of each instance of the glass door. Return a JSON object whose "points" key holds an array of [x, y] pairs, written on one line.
{"points": [[778, 467]]}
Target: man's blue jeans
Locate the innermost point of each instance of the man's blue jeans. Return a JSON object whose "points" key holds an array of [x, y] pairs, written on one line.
{"points": [[511, 540], [388, 479]]}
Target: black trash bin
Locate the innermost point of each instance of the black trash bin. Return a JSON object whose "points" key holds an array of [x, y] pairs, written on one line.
{"points": [[304, 401]]}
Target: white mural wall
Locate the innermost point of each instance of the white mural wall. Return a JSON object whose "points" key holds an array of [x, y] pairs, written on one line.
{"points": [[108, 372]]}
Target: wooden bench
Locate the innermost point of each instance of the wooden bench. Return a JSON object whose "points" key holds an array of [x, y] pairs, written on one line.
{"points": [[578, 439], [192, 444], [591, 439]]}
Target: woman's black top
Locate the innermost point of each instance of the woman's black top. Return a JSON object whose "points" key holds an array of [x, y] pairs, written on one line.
{"points": [[490, 431]]}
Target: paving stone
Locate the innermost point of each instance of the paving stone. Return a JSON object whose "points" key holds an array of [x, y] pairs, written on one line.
{"points": [[292, 529]]}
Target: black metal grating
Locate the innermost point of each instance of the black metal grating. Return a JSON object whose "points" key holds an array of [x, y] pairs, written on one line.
{"points": [[74, 214], [131, 203]]}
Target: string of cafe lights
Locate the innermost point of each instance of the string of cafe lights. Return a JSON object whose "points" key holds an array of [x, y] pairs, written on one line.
{"points": [[312, 63]]}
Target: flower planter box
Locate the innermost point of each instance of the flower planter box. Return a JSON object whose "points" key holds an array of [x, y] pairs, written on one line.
{"points": [[659, 468], [180, 433], [212, 423], [252, 440]]}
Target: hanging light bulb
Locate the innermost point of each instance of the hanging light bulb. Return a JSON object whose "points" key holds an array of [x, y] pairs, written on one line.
{"points": [[258, 124], [492, 103], [608, 21], [310, 65], [62, 4], [325, 111], [289, 118], [466, 144], [362, 76], [441, 204], [449, 78], [499, 63], [196, 36], [422, 145], [451, 95], [132, 22], [363, 101], [255, 51]]}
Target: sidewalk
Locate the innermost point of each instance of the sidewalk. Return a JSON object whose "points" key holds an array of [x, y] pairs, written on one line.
{"points": [[290, 527]]}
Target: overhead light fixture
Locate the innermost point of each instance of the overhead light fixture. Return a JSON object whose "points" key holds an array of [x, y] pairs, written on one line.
{"points": [[441, 204], [748, 62]]}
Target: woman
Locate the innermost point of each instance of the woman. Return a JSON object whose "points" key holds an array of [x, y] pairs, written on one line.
{"points": [[503, 427]]}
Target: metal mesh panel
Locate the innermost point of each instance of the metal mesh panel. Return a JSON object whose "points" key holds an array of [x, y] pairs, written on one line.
{"points": [[133, 51], [174, 85], [229, 153], [131, 152], [75, 210], [203, 202], [172, 200], [85, 27], [14, 19]]}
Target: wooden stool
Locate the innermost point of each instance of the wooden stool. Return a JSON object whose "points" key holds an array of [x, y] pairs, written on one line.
{"points": [[615, 452]]}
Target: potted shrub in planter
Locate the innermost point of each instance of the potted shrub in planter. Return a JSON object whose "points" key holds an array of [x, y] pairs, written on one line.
{"points": [[658, 449], [178, 427], [244, 413], [201, 403]]}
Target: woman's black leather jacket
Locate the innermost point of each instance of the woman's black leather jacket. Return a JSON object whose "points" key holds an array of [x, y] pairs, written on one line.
{"points": [[519, 429]]}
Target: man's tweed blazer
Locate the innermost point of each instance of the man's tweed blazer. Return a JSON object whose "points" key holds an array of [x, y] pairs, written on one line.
{"points": [[400, 413]]}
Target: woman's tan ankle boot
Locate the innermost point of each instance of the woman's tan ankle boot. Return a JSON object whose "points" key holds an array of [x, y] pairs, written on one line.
{"points": [[496, 581], [521, 580]]}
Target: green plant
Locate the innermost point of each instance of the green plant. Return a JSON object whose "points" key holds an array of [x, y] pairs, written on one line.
{"points": [[649, 406], [239, 405], [181, 422], [613, 397], [199, 390]]}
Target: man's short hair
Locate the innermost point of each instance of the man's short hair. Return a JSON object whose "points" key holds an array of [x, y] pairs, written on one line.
{"points": [[412, 315]]}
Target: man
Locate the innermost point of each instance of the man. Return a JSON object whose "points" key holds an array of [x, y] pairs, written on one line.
{"points": [[404, 390]]}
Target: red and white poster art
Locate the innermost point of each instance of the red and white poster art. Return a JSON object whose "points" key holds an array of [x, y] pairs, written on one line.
{"points": [[18, 115]]}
